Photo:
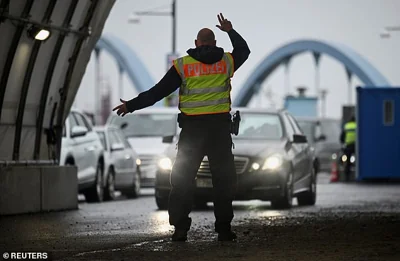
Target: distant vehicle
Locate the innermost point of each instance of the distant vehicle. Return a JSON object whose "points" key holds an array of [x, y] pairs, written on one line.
{"points": [[81, 147], [144, 130], [323, 134], [272, 158], [340, 160], [121, 163]]}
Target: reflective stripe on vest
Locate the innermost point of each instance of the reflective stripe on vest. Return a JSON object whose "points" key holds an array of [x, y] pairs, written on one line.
{"points": [[350, 129], [205, 88]]}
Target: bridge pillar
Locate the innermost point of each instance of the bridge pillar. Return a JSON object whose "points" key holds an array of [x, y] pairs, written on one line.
{"points": [[349, 86], [317, 58], [286, 63], [97, 84], [121, 81]]}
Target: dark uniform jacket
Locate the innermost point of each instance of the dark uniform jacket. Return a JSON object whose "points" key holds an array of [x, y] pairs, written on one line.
{"points": [[172, 80]]}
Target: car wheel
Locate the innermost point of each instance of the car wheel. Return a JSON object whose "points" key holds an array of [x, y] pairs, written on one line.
{"points": [[95, 192], [309, 197], [135, 191], [109, 193], [162, 203], [285, 201]]}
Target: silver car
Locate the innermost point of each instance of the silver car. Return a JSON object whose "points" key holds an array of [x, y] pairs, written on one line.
{"points": [[144, 130], [121, 163], [81, 147], [323, 134]]}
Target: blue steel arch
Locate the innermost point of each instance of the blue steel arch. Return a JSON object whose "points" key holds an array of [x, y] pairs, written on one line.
{"points": [[353, 61], [128, 61]]}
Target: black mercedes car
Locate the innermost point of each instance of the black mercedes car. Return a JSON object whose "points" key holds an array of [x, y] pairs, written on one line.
{"points": [[273, 162]]}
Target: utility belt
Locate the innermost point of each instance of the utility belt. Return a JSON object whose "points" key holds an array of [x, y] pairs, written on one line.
{"points": [[232, 120]]}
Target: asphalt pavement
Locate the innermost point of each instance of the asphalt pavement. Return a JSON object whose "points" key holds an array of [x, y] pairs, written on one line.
{"points": [[354, 221]]}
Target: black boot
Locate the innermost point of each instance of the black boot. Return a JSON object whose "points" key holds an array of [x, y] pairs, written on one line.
{"points": [[226, 236], [179, 235]]}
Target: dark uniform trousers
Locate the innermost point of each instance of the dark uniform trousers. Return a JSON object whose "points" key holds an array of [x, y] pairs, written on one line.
{"points": [[197, 139]]}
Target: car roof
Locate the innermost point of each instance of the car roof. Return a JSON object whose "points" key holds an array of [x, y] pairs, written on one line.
{"points": [[165, 110], [320, 119], [255, 110], [104, 127]]}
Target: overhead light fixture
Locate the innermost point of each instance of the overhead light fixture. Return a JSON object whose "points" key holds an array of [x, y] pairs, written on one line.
{"points": [[38, 33]]}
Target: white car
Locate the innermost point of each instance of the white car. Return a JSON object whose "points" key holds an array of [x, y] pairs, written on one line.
{"points": [[81, 147], [145, 130], [121, 163]]}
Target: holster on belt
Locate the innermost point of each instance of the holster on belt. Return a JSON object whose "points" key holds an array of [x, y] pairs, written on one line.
{"points": [[235, 123]]}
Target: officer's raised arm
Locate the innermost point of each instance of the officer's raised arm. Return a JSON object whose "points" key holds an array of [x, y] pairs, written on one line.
{"points": [[241, 50]]}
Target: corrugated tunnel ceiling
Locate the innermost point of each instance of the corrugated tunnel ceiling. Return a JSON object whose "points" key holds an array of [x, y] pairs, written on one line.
{"points": [[39, 79]]}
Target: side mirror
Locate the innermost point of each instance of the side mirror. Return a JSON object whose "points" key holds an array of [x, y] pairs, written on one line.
{"points": [[321, 138], [299, 138], [123, 125], [78, 131], [117, 146], [168, 139]]}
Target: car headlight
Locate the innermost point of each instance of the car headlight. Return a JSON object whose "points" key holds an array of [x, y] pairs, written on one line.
{"points": [[273, 162], [334, 156], [165, 163], [344, 158], [255, 166], [138, 162], [352, 159]]}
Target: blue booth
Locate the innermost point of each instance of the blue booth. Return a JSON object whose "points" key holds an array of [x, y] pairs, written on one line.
{"points": [[378, 133]]}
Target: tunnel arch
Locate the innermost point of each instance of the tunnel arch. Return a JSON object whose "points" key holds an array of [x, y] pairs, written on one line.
{"points": [[353, 62]]}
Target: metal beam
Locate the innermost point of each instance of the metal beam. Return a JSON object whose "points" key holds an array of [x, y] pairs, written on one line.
{"points": [[49, 77], [11, 53], [83, 33], [70, 70], [26, 83]]}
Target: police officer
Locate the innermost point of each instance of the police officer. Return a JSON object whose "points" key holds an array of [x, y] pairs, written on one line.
{"points": [[348, 137], [203, 77]]}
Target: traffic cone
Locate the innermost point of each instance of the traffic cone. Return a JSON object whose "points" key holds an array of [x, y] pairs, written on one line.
{"points": [[334, 172]]}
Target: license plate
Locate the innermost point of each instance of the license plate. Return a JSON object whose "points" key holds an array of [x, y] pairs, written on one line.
{"points": [[204, 183]]}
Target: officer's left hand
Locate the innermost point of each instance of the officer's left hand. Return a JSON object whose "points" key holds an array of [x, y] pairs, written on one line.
{"points": [[121, 109], [225, 24]]}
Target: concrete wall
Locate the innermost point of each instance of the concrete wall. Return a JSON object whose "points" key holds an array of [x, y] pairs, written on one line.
{"points": [[28, 189]]}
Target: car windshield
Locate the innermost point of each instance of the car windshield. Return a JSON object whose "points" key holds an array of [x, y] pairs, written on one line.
{"points": [[260, 126], [147, 125]]}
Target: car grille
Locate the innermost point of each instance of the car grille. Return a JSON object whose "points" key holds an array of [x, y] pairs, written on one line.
{"points": [[240, 165], [148, 160]]}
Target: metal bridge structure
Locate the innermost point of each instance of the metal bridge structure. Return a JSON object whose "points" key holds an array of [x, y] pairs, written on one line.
{"points": [[354, 64]]}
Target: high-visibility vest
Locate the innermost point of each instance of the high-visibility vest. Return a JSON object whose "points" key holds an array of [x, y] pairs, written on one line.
{"points": [[350, 129], [205, 88]]}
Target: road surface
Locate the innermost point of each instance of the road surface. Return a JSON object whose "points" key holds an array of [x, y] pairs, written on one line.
{"points": [[349, 222]]}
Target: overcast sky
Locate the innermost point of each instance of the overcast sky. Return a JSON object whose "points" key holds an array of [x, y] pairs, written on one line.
{"points": [[265, 25]]}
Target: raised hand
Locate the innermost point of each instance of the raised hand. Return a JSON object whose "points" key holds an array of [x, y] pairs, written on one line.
{"points": [[224, 24], [121, 109]]}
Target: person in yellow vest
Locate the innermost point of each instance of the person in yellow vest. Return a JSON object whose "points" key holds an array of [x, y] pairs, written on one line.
{"points": [[348, 137], [204, 81]]}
